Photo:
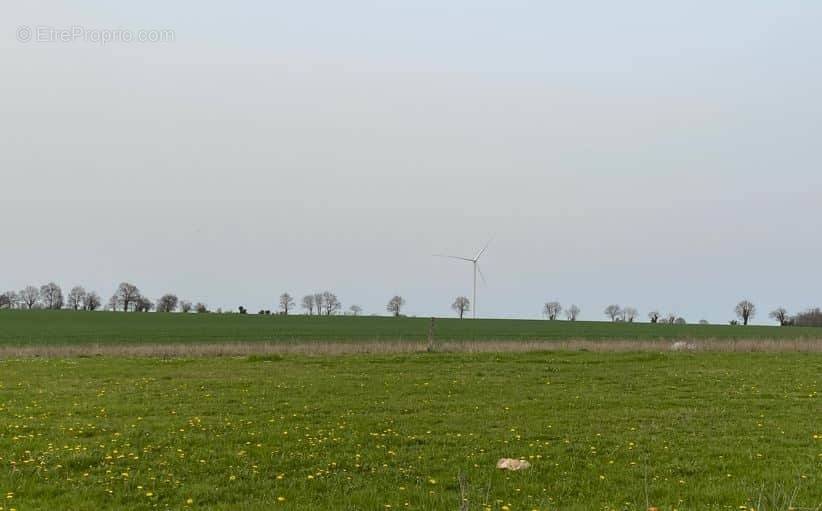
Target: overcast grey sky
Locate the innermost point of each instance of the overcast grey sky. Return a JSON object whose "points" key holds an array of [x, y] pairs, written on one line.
{"points": [[642, 153]]}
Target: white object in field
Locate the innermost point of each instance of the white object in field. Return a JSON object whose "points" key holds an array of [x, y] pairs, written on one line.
{"points": [[512, 464]]}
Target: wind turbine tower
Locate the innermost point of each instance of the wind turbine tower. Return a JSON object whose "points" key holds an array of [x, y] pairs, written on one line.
{"points": [[477, 269]]}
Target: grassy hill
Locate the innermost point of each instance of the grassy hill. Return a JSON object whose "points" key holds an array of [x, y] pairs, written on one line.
{"points": [[22, 328]]}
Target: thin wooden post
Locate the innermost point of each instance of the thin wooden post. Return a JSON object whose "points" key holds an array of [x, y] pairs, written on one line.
{"points": [[430, 348]]}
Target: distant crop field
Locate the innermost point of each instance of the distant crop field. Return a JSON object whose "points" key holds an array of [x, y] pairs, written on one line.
{"points": [[27, 328], [707, 431]]}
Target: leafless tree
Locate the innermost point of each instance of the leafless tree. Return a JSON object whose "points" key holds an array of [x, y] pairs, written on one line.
{"points": [[613, 312], [330, 303], [51, 296], [143, 304], [76, 297], [319, 302], [654, 316], [629, 314], [29, 296], [462, 305], [780, 315], [185, 306], [92, 301], [201, 308], [745, 310], [286, 303], [680, 321], [395, 304], [308, 304], [552, 310], [126, 296], [572, 312], [167, 303], [671, 320], [355, 310], [9, 300], [811, 317]]}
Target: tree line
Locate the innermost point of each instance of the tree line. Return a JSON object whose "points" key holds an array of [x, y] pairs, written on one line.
{"points": [[745, 311], [126, 298], [129, 298]]}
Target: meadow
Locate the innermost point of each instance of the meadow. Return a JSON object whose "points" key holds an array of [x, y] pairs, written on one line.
{"points": [[622, 431], [38, 327]]}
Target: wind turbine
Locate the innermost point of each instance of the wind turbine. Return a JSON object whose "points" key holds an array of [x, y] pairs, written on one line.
{"points": [[475, 262]]}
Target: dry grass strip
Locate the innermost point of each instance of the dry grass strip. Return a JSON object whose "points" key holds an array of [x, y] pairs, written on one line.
{"points": [[324, 348]]}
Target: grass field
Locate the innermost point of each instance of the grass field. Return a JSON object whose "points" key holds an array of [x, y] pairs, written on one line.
{"points": [[27, 328], [603, 431]]}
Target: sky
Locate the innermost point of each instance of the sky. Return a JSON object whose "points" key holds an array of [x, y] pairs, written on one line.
{"points": [[649, 154]]}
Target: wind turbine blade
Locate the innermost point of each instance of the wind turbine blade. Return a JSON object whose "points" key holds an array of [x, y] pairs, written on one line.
{"points": [[483, 249], [453, 257], [482, 276]]}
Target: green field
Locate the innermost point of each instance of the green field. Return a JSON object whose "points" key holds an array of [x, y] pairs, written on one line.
{"points": [[25, 328], [603, 431]]}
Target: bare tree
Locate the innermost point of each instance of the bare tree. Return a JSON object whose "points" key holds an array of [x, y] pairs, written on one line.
{"points": [[780, 315], [143, 304], [811, 317], [125, 296], [613, 312], [745, 310], [52, 296], [355, 310], [629, 314], [552, 310], [319, 302], [29, 296], [286, 303], [185, 306], [76, 297], [572, 312], [671, 320], [201, 308], [654, 316], [92, 301], [308, 304], [395, 304], [167, 303], [680, 321], [9, 300], [462, 305], [330, 303]]}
